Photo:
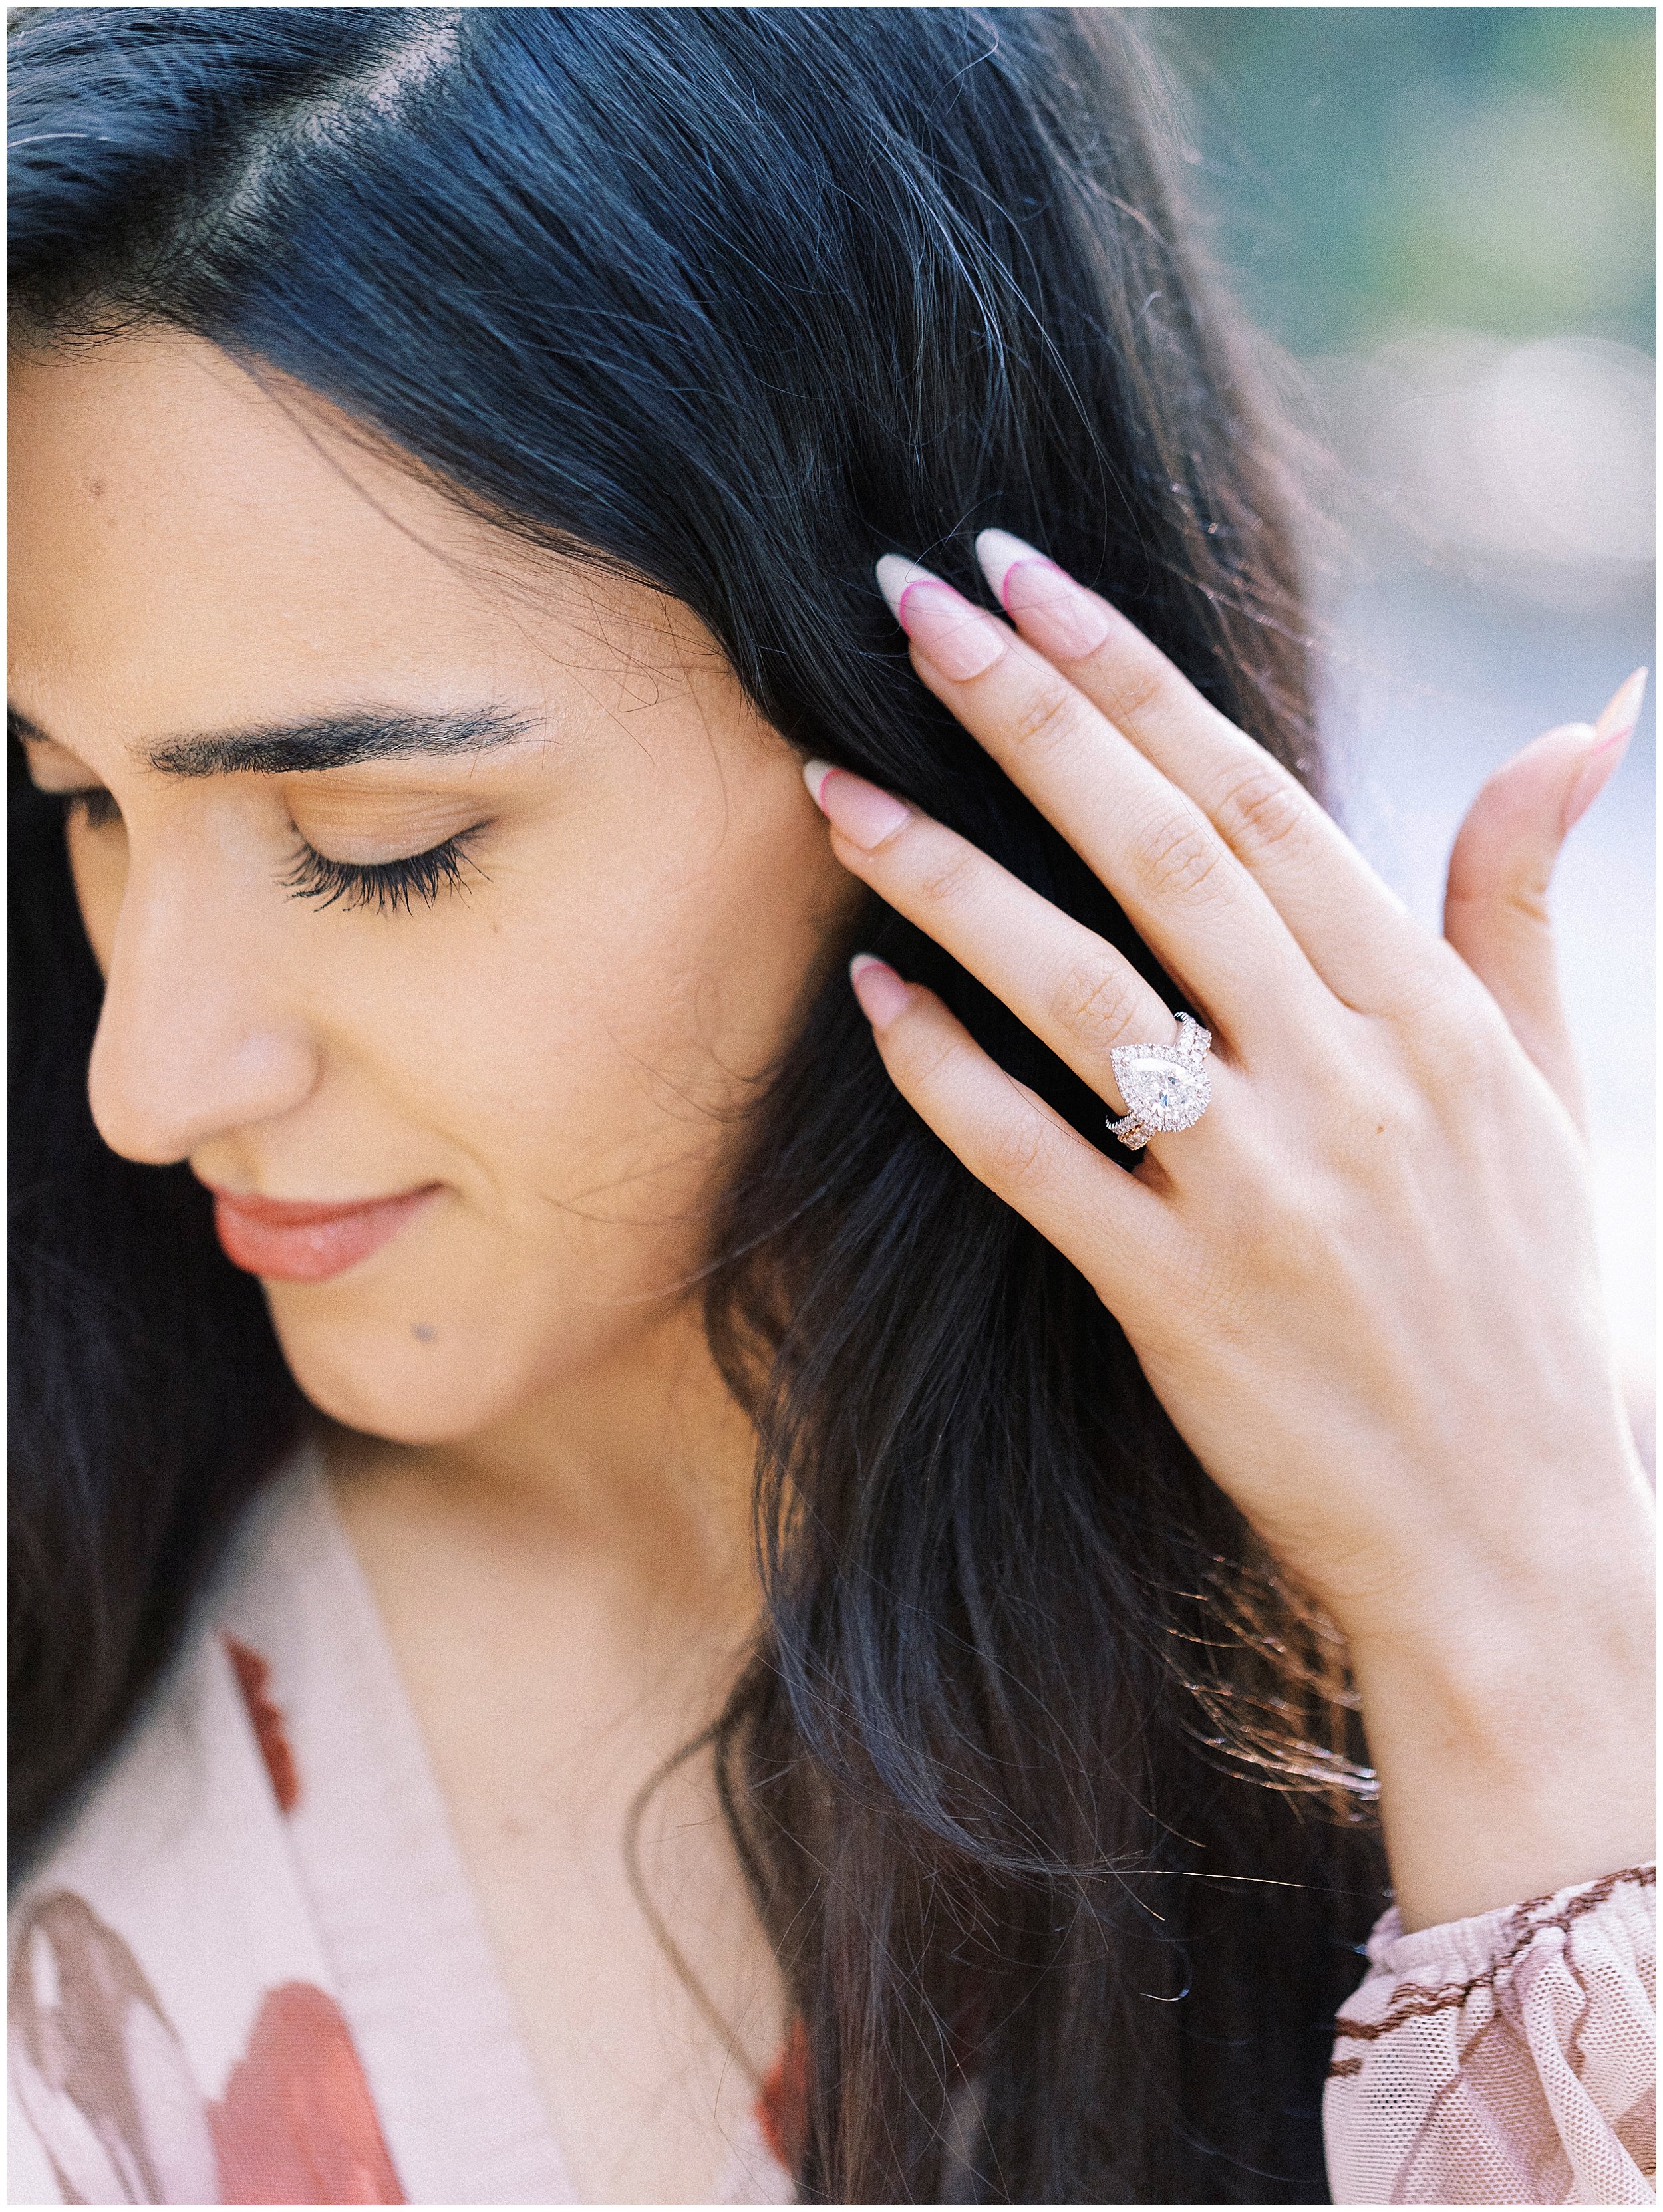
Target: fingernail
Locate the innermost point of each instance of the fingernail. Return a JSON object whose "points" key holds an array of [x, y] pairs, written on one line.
{"points": [[895, 576], [1065, 621], [953, 636], [1595, 773], [857, 810], [881, 993], [999, 552], [1604, 754], [1622, 710]]}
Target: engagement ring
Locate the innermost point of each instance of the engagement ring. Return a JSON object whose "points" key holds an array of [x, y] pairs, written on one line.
{"points": [[1165, 1087]]}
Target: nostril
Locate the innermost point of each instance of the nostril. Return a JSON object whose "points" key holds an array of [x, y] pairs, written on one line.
{"points": [[166, 1078]]}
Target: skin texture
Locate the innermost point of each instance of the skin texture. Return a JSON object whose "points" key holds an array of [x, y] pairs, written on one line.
{"points": [[547, 1483], [1362, 1283]]}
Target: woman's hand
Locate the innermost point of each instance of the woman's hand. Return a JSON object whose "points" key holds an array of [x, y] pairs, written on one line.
{"points": [[1364, 1283]]}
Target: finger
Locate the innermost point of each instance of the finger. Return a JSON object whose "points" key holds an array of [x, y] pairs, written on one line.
{"points": [[1496, 910], [1078, 994], [1353, 928], [1205, 918], [1100, 1216]]}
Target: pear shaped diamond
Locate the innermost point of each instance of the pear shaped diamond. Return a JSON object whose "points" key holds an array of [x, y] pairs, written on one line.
{"points": [[1165, 1087]]}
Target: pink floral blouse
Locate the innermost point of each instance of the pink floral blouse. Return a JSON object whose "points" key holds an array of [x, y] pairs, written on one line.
{"points": [[250, 1960]]}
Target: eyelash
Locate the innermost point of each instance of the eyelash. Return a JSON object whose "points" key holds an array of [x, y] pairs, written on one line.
{"points": [[351, 884], [96, 805], [384, 884]]}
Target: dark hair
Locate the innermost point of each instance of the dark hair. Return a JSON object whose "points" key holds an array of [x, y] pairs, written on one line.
{"points": [[1045, 1785]]}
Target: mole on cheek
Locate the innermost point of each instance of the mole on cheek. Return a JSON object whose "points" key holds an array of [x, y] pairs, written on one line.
{"points": [[423, 1332]]}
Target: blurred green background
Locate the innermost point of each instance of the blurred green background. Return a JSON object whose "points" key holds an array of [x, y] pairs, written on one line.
{"points": [[1372, 168], [1446, 217]]}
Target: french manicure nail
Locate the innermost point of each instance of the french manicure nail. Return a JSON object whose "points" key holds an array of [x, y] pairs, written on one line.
{"points": [[1622, 710], [1611, 732], [953, 636], [1603, 762], [881, 993], [1051, 609], [1604, 758], [896, 574], [857, 810], [998, 551]]}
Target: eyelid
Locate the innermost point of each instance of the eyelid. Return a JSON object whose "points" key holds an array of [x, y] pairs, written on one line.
{"points": [[362, 831], [45, 757], [405, 840], [66, 789]]}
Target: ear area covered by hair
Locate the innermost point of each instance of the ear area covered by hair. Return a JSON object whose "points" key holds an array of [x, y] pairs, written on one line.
{"points": [[734, 302]]}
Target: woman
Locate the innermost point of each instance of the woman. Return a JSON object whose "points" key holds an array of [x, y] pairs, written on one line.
{"points": [[643, 1577]]}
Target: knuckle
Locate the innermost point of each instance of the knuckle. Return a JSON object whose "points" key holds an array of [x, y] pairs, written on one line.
{"points": [[1177, 857], [1212, 1289], [1046, 719], [946, 873], [1521, 902], [1129, 692], [1460, 1054], [1503, 891], [1264, 809], [1446, 1016], [1093, 1004], [927, 1058], [1444, 1067], [1422, 984], [1019, 1153]]}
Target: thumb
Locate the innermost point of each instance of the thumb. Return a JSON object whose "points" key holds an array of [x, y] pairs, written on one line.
{"points": [[1496, 910]]}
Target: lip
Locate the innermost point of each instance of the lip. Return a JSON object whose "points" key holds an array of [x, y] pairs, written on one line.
{"points": [[303, 1241]]}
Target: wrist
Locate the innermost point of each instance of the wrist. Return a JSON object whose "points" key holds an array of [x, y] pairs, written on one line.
{"points": [[1470, 1604], [1498, 1683], [1514, 1734]]}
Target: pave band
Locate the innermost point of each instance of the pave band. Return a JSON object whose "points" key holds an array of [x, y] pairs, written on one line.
{"points": [[1166, 1087]]}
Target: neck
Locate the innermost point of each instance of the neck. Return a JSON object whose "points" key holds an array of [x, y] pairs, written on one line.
{"points": [[641, 1460]]}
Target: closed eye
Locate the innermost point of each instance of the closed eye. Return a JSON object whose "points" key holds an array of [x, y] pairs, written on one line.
{"points": [[95, 806], [384, 884]]}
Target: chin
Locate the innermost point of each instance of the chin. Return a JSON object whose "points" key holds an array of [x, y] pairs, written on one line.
{"points": [[384, 1380]]}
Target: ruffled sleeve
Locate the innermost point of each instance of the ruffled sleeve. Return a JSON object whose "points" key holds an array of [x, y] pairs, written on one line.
{"points": [[1508, 2059]]}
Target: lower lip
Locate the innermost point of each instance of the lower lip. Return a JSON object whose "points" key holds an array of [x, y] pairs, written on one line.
{"points": [[309, 1244]]}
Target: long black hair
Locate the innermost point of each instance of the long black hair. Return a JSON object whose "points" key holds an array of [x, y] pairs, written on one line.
{"points": [[1048, 1789]]}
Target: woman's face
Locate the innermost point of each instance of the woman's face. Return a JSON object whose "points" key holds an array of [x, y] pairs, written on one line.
{"points": [[283, 660]]}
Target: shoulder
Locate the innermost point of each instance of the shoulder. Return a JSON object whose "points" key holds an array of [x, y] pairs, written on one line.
{"points": [[166, 1931]]}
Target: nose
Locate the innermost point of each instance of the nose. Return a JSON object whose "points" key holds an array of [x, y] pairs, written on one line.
{"points": [[197, 1037]]}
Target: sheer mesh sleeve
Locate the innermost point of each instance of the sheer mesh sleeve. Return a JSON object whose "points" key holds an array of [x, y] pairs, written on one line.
{"points": [[1508, 2059]]}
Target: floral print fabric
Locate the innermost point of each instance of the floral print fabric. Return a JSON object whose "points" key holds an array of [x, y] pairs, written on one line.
{"points": [[106, 2087], [249, 1970]]}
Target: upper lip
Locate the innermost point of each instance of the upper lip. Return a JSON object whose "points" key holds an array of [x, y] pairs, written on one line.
{"points": [[306, 1213]]}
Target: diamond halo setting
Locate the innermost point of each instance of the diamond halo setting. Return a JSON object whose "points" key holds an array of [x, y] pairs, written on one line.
{"points": [[1166, 1087]]}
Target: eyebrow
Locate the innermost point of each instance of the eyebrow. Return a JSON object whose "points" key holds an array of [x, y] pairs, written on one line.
{"points": [[320, 742]]}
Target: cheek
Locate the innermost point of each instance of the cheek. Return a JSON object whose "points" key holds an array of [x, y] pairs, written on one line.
{"points": [[687, 976], [577, 1064], [606, 1036], [560, 1076], [606, 1047]]}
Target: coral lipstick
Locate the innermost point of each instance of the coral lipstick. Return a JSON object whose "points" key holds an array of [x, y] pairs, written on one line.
{"points": [[295, 1241]]}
